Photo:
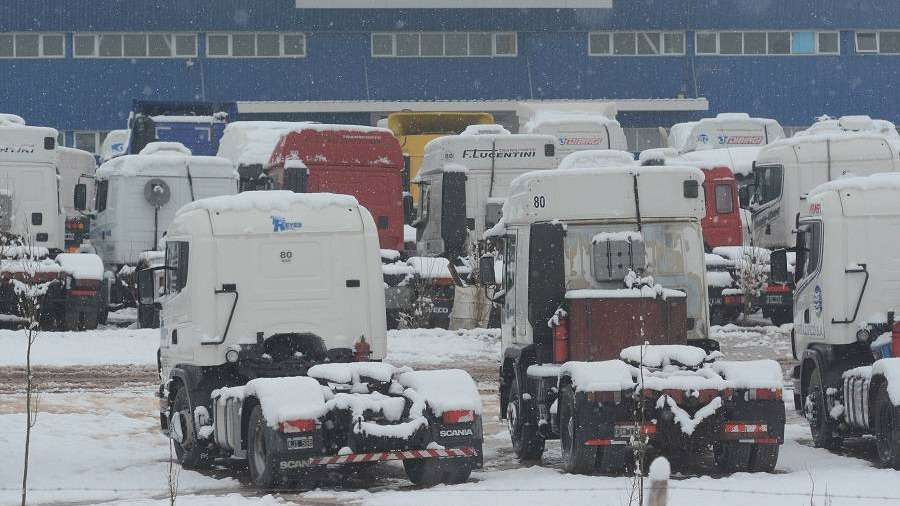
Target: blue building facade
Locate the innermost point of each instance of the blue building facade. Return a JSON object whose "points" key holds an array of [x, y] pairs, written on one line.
{"points": [[77, 65]]}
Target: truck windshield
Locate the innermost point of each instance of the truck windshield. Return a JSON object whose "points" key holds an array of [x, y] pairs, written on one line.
{"points": [[769, 179]]}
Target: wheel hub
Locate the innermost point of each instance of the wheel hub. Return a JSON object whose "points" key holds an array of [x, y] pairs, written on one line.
{"points": [[512, 418]]}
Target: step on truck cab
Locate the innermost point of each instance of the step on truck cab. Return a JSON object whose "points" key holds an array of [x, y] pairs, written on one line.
{"points": [[136, 199], [260, 358], [597, 262], [848, 291], [787, 170], [464, 181]]}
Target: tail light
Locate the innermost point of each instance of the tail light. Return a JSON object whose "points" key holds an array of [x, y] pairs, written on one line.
{"points": [[895, 340], [732, 300], [458, 416], [765, 394], [778, 288], [561, 340], [361, 350], [295, 426], [606, 396]]}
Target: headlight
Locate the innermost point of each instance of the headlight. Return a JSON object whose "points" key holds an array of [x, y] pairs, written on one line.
{"points": [[231, 356], [862, 335]]}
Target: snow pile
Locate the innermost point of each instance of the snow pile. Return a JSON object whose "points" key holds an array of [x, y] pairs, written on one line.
{"points": [[660, 469], [434, 267], [687, 422], [24, 252], [890, 369], [444, 390], [719, 279], [596, 158], [658, 356], [81, 265], [409, 233], [743, 253], [605, 376], [644, 292], [268, 201], [352, 373], [713, 260], [7, 120], [439, 346], [282, 399], [165, 148]]}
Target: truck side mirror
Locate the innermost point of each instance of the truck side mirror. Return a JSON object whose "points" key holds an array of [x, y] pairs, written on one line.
{"points": [[779, 268], [744, 194], [145, 287], [80, 196], [486, 271]]}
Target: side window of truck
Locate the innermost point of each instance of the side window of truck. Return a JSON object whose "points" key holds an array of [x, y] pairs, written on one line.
{"points": [[424, 198], [724, 199], [177, 255], [102, 191], [809, 254], [509, 263]]}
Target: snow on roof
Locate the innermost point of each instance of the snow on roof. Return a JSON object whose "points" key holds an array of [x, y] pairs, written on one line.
{"points": [[252, 142], [596, 158], [884, 181], [607, 375], [850, 124], [644, 292], [267, 201], [189, 119], [11, 119], [327, 127], [485, 130], [433, 267], [560, 118], [162, 147], [444, 390], [658, 356], [164, 159], [738, 159], [750, 373], [81, 265]]}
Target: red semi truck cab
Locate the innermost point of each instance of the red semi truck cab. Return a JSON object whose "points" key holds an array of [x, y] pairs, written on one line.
{"points": [[364, 162], [722, 225]]}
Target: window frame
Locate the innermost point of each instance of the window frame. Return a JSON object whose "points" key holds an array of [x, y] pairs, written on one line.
{"points": [[41, 53], [281, 53], [181, 253], [173, 45], [493, 37], [661, 51], [816, 33], [730, 198], [877, 50]]}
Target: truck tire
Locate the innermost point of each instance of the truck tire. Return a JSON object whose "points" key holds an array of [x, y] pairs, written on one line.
{"points": [[821, 425], [527, 443], [732, 457], [577, 457], [887, 430], [763, 458], [260, 443], [189, 452]]}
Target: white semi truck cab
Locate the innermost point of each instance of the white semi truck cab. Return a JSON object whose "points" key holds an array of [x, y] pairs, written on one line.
{"points": [[272, 339], [847, 292], [598, 261]]}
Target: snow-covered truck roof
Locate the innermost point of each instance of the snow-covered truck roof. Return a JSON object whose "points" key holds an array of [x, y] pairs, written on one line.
{"points": [[268, 212], [725, 130], [596, 158], [484, 152], [115, 144], [875, 195], [167, 159], [11, 119], [81, 265], [842, 146], [252, 142], [594, 193], [738, 159], [859, 123]]}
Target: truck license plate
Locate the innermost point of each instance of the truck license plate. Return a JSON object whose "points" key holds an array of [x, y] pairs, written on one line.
{"points": [[773, 299], [625, 431], [299, 443]]}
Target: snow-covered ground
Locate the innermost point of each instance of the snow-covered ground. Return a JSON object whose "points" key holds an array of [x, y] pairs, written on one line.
{"points": [[102, 445]]}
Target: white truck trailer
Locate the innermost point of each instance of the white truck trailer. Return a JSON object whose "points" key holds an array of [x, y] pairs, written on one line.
{"points": [[136, 199], [848, 292], [260, 358], [787, 170], [597, 262]]}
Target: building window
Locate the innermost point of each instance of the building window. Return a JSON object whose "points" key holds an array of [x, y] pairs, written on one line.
{"points": [[635, 43], [32, 45], [443, 44], [88, 141], [881, 42], [135, 45], [767, 43], [256, 45]]}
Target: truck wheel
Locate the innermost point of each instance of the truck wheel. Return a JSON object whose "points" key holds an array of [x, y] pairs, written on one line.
{"points": [[763, 458], [577, 457], [527, 443], [781, 315], [732, 457], [821, 425], [260, 446], [887, 430], [188, 451]]}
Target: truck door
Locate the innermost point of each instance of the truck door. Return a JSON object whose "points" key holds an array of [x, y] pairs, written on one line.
{"points": [[175, 316], [508, 317], [809, 314]]}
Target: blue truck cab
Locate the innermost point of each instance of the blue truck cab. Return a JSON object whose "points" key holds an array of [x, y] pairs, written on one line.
{"points": [[197, 125]]}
